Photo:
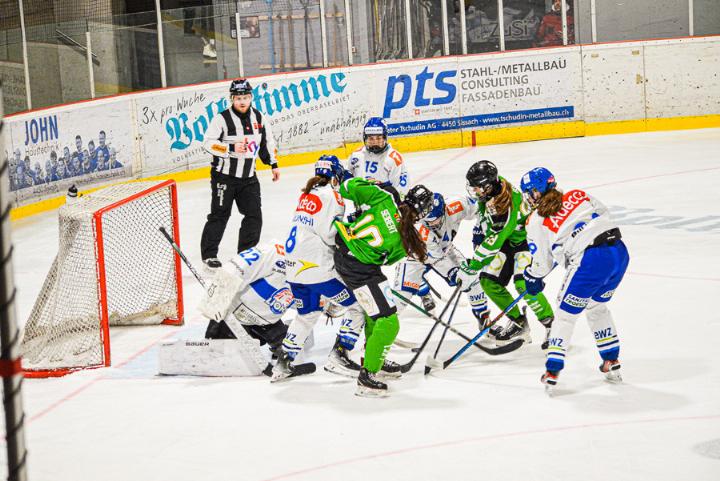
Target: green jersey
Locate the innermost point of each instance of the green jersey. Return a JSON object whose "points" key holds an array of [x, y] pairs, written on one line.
{"points": [[500, 227], [374, 237]]}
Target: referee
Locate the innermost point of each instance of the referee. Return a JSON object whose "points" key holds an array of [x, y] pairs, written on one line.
{"points": [[235, 139]]}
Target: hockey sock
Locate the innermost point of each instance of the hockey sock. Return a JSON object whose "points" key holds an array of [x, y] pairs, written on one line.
{"points": [[500, 296], [379, 342], [539, 304], [560, 334], [603, 328]]}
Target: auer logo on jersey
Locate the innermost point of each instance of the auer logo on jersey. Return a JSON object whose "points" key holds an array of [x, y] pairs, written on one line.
{"points": [[400, 89], [571, 200]]}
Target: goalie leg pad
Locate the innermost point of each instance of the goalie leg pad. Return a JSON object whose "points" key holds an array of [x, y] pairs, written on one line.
{"points": [[208, 357]]}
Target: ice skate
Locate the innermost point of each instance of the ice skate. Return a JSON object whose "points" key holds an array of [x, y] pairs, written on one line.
{"points": [[611, 369], [212, 263], [282, 369], [516, 329], [369, 386], [549, 379], [390, 370], [483, 318], [428, 302], [340, 363], [547, 323]]}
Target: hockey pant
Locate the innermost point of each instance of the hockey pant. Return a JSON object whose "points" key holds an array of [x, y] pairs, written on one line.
{"points": [[372, 291], [510, 263], [589, 284], [309, 303], [409, 279]]}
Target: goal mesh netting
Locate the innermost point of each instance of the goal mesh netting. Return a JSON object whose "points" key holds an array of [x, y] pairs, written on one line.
{"points": [[113, 267]]}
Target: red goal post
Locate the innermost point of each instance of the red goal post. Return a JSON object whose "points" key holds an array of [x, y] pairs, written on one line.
{"points": [[113, 267]]}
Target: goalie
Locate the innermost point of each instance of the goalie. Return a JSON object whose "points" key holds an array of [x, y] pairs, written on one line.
{"points": [[245, 302]]}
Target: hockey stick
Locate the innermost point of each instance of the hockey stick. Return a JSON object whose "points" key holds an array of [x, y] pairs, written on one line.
{"points": [[433, 363], [232, 323], [176, 248], [406, 367], [442, 338], [493, 351]]}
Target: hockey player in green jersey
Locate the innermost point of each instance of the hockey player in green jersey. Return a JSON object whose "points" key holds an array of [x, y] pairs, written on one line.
{"points": [[382, 234], [501, 252]]}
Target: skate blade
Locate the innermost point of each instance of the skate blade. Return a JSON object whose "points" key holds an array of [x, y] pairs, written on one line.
{"points": [[389, 375], [341, 371], [613, 377], [550, 390], [279, 377], [363, 391]]}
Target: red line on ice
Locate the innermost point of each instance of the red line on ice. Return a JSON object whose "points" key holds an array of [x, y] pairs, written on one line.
{"points": [[100, 377], [480, 439]]}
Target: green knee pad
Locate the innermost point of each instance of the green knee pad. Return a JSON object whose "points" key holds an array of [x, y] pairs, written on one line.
{"points": [[499, 295], [539, 304], [379, 342]]}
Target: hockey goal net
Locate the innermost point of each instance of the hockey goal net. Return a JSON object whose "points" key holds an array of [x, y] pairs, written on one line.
{"points": [[113, 267]]}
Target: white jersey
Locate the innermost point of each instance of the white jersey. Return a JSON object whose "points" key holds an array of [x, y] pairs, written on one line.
{"points": [[387, 166], [263, 296], [439, 240], [562, 238], [310, 244]]}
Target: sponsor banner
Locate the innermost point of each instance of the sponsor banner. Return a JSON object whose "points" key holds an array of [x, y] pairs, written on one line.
{"points": [[314, 110], [417, 96], [172, 124], [53, 149], [477, 92], [530, 88], [306, 111]]}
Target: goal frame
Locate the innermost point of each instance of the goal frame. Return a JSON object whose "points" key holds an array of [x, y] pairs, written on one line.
{"points": [[103, 314]]}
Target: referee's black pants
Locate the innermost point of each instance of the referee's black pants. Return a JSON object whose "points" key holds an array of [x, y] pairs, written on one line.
{"points": [[245, 193]]}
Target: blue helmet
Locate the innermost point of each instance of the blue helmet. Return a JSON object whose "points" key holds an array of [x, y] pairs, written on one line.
{"points": [[538, 179], [375, 126], [438, 209], [329, 166]]}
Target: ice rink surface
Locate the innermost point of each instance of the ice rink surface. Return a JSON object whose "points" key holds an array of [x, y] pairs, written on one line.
{"points": [[482, 418]]}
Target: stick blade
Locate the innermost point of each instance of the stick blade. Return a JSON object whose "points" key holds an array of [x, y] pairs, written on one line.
{"points": [[432, 363]]}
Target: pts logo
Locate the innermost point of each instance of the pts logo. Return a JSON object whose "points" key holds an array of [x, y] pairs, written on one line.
{"points": [[400, 88]]}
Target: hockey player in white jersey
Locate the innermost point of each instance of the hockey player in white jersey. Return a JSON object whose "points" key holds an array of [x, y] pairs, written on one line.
{"points": [[574, 230], [251, 293], [378, 160], [311, 272], [439, 223]]}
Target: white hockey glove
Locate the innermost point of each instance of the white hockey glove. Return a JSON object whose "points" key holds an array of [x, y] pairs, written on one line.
{"points": [[217, 300], [466, 276]]}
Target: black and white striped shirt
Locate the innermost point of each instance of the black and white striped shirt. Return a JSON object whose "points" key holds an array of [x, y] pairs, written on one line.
{"points": [[231, 127]]}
